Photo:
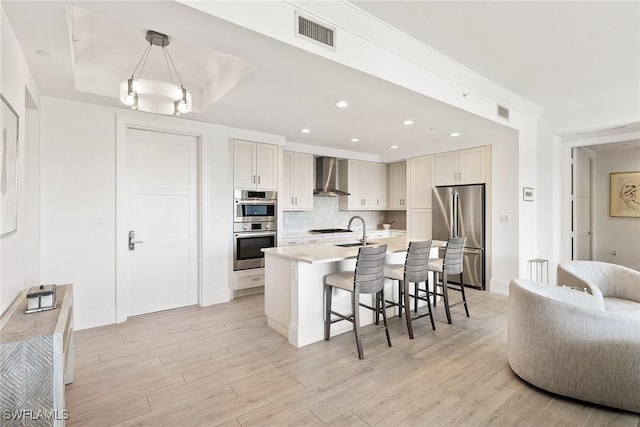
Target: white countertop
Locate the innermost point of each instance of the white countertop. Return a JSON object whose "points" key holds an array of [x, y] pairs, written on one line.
{"points": [[326, 252]]}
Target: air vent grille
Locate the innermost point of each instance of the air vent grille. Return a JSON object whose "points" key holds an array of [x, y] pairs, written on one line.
{"points": [[320, 34], [503, 112]]}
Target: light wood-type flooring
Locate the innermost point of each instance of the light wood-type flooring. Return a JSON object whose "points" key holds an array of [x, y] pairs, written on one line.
{"points": [[222, 365]]}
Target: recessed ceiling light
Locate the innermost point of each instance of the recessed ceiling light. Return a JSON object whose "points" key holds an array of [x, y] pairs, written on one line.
{"points": [[43, 53], [454, 134], [408, 122], [393, 147], [342, 104], [305, 130], [355, 139]]}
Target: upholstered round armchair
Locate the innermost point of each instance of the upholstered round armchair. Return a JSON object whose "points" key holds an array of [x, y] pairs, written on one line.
{"points": [[564, 341]]}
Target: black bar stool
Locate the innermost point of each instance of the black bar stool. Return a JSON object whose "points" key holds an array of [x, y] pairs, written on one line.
{"points": [[368, 278]]}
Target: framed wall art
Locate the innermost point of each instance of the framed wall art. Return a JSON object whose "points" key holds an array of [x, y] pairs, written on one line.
{"points": [[9, 121], [624, 194]]}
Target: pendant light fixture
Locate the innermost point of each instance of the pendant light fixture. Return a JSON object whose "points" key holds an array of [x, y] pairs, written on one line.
{"points": [[155, 96]]}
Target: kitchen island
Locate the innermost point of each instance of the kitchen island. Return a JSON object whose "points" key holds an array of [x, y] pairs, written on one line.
{"points": [[294, 282]]}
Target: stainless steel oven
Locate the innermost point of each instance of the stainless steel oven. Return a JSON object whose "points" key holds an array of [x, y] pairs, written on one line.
{"points": [[254, 227], [254, 206], [248, 241]]}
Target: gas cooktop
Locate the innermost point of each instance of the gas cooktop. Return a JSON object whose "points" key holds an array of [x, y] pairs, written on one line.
{"points": [[330, 230]]}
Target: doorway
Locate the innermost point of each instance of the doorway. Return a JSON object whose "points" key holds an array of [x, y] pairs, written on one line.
{"points": [[159, 212], [582, 210]]}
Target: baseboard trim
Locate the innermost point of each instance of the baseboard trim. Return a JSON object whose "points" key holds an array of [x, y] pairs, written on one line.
{"points": [[499, 287], [248, 291]]}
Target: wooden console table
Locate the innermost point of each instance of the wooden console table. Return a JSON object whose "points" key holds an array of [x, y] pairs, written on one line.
{"points": [[36, 361]]}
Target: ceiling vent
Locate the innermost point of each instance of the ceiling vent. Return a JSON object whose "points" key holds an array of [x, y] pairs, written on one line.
{"points": [[503, 112], [322, 35]]}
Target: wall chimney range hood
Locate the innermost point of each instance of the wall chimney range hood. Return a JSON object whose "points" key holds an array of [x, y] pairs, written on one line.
{"points": [[326, 171]]}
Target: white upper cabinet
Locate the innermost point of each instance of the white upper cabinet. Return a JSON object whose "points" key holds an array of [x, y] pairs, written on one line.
{"points": [[255, 165], [472, 164], [421, 181], [383, 195], [296, 192], [397, 185], [367, 183], [461, 167]]}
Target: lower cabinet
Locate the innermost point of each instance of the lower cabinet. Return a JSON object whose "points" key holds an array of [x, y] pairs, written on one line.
{"points": [[291, 241], [248, 279]]}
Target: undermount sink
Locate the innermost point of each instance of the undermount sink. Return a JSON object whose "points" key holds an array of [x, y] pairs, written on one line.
{"points": [[348, 245]]}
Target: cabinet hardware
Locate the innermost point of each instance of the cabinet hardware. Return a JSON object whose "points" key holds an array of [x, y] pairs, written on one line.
{"points": [[258, 179], [296, 201], [254, 179], [292, 200]]}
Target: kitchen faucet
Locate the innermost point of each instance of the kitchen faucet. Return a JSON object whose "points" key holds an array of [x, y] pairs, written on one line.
{"points": [[364, 228]]}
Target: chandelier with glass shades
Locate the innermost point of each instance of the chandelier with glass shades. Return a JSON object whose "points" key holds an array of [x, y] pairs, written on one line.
{"points": [[155, 96]]}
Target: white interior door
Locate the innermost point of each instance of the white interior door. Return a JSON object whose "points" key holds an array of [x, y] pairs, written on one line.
{"points": [[162, 211], [582, 231]]}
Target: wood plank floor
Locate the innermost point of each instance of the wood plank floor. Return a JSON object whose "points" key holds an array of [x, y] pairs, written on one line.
{"points": [[222, 365]]}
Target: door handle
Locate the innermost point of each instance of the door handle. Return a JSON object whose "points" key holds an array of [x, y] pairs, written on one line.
{"points": [[133, 241]]}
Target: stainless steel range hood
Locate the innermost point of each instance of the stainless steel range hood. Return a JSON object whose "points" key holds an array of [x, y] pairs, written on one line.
{"points": [[326, 171]]}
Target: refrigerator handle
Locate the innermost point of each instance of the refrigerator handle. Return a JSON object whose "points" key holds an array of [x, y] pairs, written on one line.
{"points": [[456, 206], [452, 214]]}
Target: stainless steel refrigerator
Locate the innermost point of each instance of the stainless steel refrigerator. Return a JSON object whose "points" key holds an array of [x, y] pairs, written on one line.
{"points": [[459, 211]]}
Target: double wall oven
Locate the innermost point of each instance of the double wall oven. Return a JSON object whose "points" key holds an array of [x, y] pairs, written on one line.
{"points": [[254, 227]]}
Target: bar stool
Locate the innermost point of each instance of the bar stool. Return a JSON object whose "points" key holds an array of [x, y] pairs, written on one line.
{"points": [[414, 270], [451, 264], [368, 278]]}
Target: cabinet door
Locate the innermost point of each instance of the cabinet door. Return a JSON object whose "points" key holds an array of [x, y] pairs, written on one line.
{"points": [[369, 185], [286, 188], [381, 187], [292, 241], [447, 168], [472, 165], [266, 166], [397, 184], [350, 178], [312, 240], [421, 181], [244, 164], [420, 224], [302, 181]]}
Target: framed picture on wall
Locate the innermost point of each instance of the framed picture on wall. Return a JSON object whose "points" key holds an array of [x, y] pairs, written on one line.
{"points": [[624, 194], [8, 168]]}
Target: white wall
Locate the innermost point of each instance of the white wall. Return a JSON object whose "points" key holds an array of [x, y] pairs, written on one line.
{"points": [[621, 234], [32, 198], [16, 263], [78, 183], [596, 110], [504, 244]]}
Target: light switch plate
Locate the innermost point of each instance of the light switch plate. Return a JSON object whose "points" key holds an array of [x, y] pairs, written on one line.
{"points": [[504, 218], [99, 221]]}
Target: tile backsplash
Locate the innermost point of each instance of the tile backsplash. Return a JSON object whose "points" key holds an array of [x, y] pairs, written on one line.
{"points": [[325, 214]]}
